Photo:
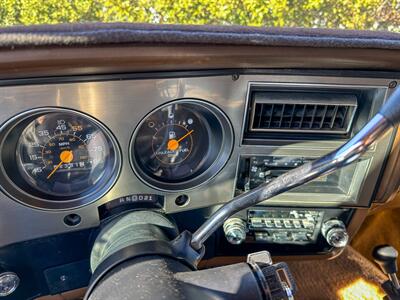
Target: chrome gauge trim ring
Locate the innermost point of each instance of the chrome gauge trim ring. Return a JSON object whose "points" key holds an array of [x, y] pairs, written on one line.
{"points": [[10, 188], [204, 177]]}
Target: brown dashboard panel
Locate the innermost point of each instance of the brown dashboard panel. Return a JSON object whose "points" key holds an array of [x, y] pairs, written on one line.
{"points": [[56, 61], [390, 181]]}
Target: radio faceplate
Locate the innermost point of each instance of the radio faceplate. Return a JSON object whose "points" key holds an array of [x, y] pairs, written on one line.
{"points": [[285, 226], [286, 230], [342, 186]]}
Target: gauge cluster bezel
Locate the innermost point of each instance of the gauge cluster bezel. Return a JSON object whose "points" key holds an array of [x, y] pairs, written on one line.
{"points": [[12, 182], [217, 164]]}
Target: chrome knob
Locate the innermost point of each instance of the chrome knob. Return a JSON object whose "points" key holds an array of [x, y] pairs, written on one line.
{"points": [[235, 230], [335, 233], [9, 282]]}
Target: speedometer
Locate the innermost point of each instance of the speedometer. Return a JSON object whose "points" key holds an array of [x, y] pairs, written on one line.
{"points": [[62, 157], [181, 144], [63, 154]]}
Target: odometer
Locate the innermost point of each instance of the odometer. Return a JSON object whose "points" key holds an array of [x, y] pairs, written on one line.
{"points": [[181, 144], [62, 157]]}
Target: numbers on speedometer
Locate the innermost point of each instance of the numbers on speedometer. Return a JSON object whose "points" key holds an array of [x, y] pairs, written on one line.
{"points": [[63, 154], [181, 145]]}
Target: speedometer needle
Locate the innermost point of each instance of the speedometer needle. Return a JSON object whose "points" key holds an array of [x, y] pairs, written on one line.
{"points": [[174, 144], [66, 157]]}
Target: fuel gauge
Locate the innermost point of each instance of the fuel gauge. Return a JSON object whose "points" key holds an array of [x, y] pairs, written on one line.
{"points": [[181, 144], [176, 148]]}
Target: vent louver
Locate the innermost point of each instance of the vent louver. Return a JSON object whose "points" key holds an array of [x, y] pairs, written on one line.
{"points": [[302, 112]]}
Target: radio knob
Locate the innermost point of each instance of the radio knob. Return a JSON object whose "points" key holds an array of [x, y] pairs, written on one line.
{"points": [[335, 233], [235, 230]]}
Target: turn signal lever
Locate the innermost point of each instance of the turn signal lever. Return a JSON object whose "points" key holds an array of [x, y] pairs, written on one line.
{"points": [[386, 257]]}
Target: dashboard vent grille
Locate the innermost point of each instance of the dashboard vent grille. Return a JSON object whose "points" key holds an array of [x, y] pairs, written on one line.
{"points": [[302, 112]]}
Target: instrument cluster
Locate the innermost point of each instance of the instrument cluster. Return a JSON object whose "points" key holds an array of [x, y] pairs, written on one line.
{"points": [[56, 158]]}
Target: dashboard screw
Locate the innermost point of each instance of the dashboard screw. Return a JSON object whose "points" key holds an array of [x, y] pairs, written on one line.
{"points": [[235, 77], [392, 84]]}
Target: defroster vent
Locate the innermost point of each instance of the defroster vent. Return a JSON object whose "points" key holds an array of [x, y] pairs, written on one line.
{"points": [[293, 112]]}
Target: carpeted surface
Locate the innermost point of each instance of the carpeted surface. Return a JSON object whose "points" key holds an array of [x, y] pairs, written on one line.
{"points": [[323, 279], [378, 229]]}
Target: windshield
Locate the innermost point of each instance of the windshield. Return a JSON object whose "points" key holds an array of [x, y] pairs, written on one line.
{"points": [[341, 14]]}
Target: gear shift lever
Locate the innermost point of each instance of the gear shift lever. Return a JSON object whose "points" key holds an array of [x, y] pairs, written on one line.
{"points": [[386, 257]]}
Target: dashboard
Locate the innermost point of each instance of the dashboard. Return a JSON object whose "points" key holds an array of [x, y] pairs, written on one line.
{"points": [[75, 147], [76, 151]]}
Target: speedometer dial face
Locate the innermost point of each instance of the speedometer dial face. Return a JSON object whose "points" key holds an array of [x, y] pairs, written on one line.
{"points": [[56, 158], [64, 154], [180, 145]]}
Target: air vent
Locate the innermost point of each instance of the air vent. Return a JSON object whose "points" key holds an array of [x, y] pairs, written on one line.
{"points": [[324, 113]]}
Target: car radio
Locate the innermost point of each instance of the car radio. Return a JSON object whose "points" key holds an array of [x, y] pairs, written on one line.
{"points": [[295, 223]]}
